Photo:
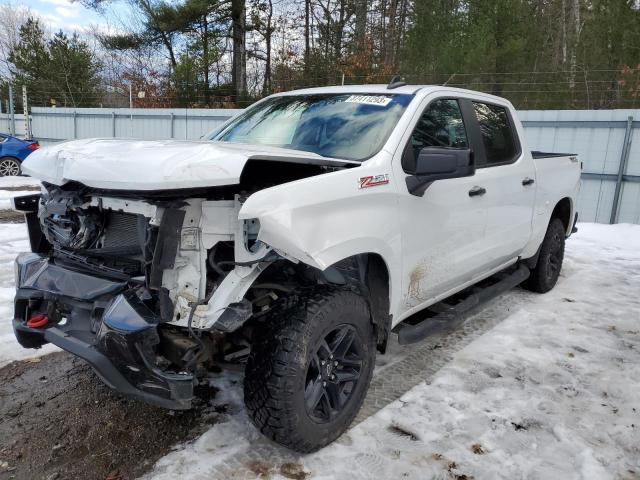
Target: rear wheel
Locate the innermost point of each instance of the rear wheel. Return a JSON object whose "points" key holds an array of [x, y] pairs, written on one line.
{"points": [[546, 272], [310, 368], [9, 167]]}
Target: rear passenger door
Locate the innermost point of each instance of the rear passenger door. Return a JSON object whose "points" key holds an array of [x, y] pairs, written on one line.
{"points": [[508, 176]]}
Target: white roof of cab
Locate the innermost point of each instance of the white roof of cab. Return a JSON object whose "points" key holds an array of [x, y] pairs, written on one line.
{"points": [[375, 88], [382, 89]]}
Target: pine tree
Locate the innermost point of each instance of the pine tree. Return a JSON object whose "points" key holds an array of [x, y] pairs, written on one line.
{"points": [[62, 69]]}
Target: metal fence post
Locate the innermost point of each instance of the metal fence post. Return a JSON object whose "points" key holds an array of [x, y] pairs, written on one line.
{"points": [[75, 124], [171, 115], [624, 157], [12, 115], [25, 108], [113, 124]]}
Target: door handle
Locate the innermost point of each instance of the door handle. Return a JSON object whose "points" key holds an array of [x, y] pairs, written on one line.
{"points": [[528, 181], [477, 191]]}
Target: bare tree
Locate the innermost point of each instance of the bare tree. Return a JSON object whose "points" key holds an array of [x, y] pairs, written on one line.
{"points": [[577, 30], [307, 33], [12, 17], [239, 70]]}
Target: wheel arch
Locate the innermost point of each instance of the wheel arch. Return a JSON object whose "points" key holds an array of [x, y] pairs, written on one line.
{"points": [[375, 279], [366, 273], [369, 273], [563, 211], [11, 157]]}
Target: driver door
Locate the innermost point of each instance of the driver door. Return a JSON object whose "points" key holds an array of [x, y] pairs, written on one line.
{"points": [[443, 231]]}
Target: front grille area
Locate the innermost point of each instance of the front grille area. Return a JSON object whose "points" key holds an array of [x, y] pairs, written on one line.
{"points": [[121, 230]]}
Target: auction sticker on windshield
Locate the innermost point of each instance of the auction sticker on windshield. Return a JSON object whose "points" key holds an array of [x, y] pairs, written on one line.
{"points": [[379, 100]]}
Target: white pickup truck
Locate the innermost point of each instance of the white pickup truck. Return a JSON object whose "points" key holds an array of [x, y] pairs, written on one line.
{"points": [[293, 241]]}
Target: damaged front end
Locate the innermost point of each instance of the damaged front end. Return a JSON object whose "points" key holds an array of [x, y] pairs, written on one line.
{"points": [[88, 287], [101, 320], [153, 288], [143, 289]]}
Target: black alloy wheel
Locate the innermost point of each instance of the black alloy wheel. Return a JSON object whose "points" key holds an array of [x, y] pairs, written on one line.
{"points": [[333, 373]]}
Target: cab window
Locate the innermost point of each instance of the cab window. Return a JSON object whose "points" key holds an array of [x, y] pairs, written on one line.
{"points": [[497, 133]]}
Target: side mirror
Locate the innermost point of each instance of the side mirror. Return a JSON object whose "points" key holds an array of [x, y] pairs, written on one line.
{"points": [[437, 163]]}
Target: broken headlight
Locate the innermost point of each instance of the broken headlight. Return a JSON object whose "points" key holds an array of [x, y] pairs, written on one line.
{"points": [[65, 223]]}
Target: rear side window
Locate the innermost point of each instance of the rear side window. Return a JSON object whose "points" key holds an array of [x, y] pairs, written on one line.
{"points": [[497, 133]]}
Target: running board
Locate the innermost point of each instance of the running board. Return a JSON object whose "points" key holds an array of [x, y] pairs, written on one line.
{"points": [[451, 316]]}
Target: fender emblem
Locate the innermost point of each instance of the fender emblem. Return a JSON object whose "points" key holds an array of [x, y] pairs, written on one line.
{"points": [[373, 180]]}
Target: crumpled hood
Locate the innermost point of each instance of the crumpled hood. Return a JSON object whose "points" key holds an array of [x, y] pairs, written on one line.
{"points": [[125, 164]]}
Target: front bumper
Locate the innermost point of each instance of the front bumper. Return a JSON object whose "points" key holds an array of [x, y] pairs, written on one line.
{"points": [[102, 321]]}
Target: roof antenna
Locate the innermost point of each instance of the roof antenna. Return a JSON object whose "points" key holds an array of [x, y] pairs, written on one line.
{"points": [[396, 82]]}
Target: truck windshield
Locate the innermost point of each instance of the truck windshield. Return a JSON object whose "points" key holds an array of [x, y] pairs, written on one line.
{"points": [[346, 126]]}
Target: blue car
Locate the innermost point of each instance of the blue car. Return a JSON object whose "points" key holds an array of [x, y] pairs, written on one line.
{"points": [[13, 151]]}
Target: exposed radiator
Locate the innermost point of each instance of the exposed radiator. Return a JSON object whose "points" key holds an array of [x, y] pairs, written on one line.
{"points": [[121, 230]]}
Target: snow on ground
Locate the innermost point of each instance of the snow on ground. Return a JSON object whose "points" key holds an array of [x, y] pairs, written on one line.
{"points": [[552, 392], [21, 181], [14, 187], [7, 195], [13, 239]]}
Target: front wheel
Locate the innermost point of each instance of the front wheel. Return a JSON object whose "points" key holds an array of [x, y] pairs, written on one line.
{"points": [[546, 272], [310, 368], [9, 167]]}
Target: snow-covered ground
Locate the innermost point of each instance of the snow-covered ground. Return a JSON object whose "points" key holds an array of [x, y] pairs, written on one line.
{"points": [[552, 392], [13, 239], [7, 195], [14, 187], [21, 181]]}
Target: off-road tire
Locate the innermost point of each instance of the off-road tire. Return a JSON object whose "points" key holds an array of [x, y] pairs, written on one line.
{"points": [[546, 272], [284, 347], [9, 167]]}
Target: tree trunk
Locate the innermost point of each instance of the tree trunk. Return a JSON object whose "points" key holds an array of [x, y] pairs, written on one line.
{"points": [[577, 28], [307, 34], [390, 38], [564, 33], [266, 86], [499, 36], [167, 43], [166, 39], [360, 25], [402, 28], [205, 54], [339, 31], [239, 69]]}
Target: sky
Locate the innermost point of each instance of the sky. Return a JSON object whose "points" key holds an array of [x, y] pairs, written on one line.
{"points": [[66, 15]]}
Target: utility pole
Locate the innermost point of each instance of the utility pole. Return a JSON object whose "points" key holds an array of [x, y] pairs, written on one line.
{"points": [[130, 109], [12, 116], [27, 120]]}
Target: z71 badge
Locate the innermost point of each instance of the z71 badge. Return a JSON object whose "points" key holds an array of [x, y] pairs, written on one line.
{"points": [[374, 180]]}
